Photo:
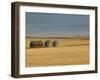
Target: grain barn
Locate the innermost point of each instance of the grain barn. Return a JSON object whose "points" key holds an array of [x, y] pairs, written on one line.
{"points": [[36, 44]]}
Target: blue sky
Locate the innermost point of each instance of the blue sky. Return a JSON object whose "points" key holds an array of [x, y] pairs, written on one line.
{"points": [[56, 25]]}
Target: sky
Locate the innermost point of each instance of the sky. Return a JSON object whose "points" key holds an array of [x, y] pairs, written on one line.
{"points": [[56, 25]]}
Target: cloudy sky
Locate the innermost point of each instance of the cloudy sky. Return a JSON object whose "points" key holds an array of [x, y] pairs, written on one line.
{"points": [[56, 25]]}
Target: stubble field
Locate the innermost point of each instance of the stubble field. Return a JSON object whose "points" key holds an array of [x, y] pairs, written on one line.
{"points": [[72, 51]]}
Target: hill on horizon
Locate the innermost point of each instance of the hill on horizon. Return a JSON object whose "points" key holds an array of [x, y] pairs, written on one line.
{"points": [[71, 37]]}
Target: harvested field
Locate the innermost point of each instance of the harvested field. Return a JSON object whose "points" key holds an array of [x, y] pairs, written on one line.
{"points": [[69, 52]]}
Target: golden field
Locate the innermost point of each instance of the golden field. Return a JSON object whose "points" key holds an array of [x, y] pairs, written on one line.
{"points": [[70, 51]]}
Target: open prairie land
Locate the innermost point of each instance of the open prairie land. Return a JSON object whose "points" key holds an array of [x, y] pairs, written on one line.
{"points": [[70, 51]]}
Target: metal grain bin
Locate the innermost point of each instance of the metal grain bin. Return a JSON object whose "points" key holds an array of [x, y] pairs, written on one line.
{"points": [[36, 44]]}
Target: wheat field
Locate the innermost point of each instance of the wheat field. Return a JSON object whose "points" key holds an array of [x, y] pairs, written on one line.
{"points": [[68, 52]]}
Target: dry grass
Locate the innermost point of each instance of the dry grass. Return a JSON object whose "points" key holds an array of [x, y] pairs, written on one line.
{"points": [[68, 52]]}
